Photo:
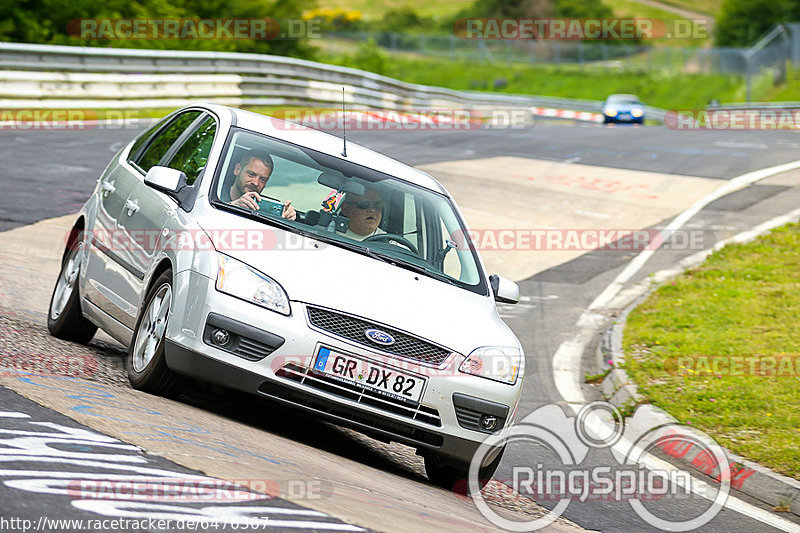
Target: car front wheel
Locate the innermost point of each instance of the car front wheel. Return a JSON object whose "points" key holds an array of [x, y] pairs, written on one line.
{"points": [[146, 364]]}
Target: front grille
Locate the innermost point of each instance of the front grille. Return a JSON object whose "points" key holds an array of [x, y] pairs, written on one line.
{"points": [[353, 329], [301, 374]]}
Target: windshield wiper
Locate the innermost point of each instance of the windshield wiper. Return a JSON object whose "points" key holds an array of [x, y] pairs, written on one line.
{"points": [[354, 247], [413, 267]]}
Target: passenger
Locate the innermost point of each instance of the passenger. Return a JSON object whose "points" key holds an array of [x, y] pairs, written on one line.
{"points": [[365, 214], [252, 174]]}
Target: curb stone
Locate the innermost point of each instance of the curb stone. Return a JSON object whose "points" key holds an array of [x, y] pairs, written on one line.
{"points": [[747, 477]]}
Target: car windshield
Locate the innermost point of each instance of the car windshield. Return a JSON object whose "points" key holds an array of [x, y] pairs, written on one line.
{"points": [[350, 206], [624, 100]]}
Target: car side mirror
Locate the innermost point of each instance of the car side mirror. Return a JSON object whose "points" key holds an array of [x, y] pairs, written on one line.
{"points": [[164, 179], [505, 290]]}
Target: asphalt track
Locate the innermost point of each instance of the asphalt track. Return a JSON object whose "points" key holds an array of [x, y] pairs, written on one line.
{"points": [[47, 174]]}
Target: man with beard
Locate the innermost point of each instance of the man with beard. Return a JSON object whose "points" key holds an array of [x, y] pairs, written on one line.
{"points": [[252, 173]]}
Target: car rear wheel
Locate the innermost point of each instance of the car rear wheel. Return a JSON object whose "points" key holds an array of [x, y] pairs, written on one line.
{"points": [[146, 364], [454, 475], [64, 317]]}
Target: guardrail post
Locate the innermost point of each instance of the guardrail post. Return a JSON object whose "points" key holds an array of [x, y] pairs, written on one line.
{"points": [[749, 78]]}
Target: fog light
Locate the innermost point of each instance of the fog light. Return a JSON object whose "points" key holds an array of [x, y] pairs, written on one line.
{"points": [[220, 337], [489, 422]]}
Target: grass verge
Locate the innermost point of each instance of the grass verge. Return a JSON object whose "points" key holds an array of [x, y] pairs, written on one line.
{"points": [[684, 91], [703, 348]]}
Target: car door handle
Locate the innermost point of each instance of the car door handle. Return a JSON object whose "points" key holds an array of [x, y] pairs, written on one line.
{"points": [[132, 206], [108, 187]]}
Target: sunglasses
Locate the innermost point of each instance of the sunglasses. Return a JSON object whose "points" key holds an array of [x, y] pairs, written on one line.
{"points": [[364, 204]]}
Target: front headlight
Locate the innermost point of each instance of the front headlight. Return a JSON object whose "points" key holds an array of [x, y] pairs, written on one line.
{"points": [[500, 363], [611, 112], [239, 280], [637, 112]]}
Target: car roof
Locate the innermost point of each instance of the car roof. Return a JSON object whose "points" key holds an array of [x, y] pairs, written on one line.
{"points": [[327, 144], [623, 97]]}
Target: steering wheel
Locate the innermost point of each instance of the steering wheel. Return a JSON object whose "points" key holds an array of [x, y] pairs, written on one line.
{"points": [[386, 237]]}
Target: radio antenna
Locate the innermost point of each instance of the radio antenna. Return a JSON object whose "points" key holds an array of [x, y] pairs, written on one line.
{"points": [[344, 128]]}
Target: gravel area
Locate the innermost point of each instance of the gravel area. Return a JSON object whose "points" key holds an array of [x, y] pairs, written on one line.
{"points": [[26, 347]]}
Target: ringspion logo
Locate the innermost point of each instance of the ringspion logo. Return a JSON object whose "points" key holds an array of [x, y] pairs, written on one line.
{"points": [[627, 479]]}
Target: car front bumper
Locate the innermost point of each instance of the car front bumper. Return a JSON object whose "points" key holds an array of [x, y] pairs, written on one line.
{"points": [[445, 420]]}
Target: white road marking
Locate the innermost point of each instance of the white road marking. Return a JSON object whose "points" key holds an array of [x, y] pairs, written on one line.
{"points": [[638, 262], [567, 359], [734, 144]]}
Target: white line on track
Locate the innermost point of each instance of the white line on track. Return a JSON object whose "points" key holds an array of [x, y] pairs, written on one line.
{"points": [[638, 262], [567, 359]]}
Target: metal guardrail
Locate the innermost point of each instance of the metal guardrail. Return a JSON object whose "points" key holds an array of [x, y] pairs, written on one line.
{"points": [[60, 73], [758, 105]]}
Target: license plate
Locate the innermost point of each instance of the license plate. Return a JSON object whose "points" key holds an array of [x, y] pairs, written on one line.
{"points": [[381, 379]]}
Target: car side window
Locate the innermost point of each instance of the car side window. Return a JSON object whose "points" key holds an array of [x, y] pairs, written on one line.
{"points": [[159, 146], [143, 138], [192, 156]]}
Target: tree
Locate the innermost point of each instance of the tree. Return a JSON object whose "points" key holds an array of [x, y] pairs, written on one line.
{"points": [[58, 22], [743, 22]]}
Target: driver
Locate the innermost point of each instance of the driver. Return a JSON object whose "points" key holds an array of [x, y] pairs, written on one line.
{"points": [[252, 173], [365, 214]]}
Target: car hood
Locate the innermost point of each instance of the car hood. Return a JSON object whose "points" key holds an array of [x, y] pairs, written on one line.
{"points": [[317, 273]]}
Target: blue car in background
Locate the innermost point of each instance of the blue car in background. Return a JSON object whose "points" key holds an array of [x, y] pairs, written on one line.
{"points": [[623, 108]]}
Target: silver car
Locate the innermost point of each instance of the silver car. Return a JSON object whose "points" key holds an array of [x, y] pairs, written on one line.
{"points": [[394, 333]]}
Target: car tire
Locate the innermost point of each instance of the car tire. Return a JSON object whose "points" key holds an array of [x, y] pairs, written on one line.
{"points": [[146, 364], [454, 475], [65, 319]]}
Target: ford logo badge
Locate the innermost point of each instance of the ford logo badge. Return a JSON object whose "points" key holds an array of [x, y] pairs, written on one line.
{"points": [[379, 337]]}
